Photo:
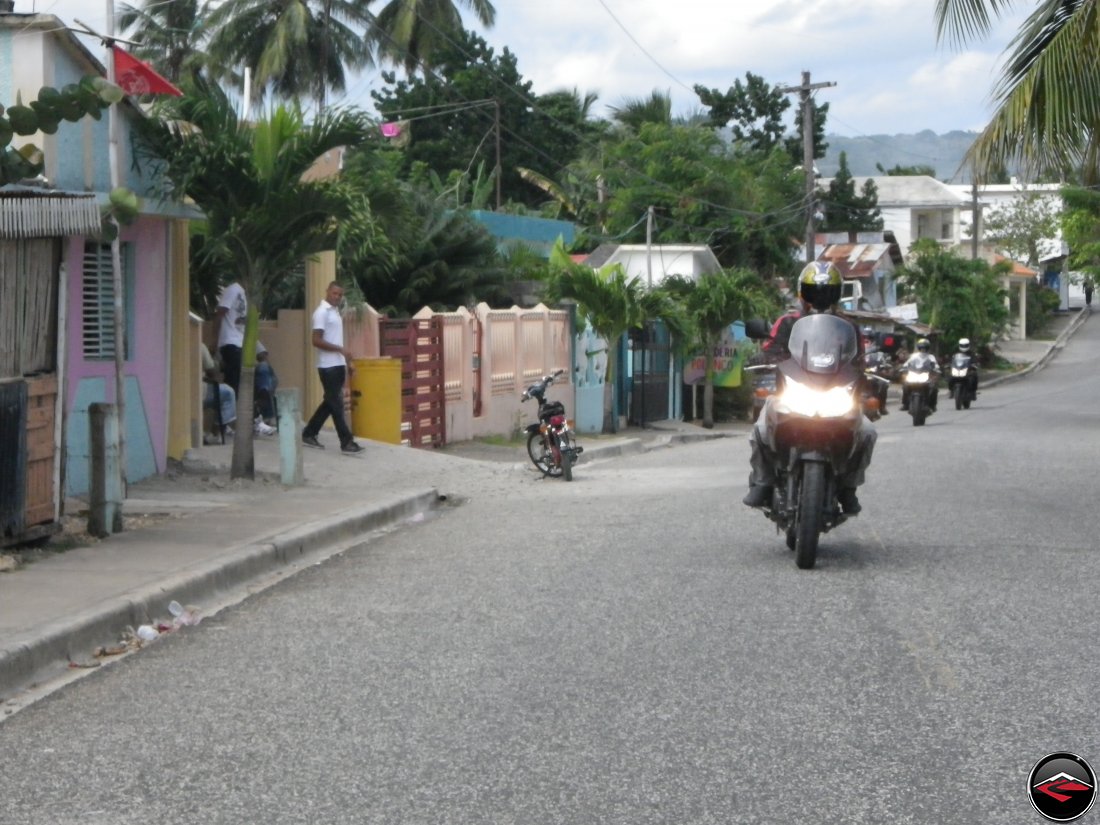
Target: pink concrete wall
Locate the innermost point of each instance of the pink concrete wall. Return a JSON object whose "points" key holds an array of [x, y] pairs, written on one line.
{"points": [[149, 349]]}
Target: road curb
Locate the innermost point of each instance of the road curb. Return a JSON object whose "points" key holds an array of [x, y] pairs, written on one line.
{"points": [[46, 652], [1059, 344]]}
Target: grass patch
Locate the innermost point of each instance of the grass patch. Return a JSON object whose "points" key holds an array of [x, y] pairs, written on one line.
{"points": [[502, 440]]}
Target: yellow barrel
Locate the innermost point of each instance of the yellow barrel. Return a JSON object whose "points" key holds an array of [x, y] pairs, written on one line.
{"points": [[376, 399]]}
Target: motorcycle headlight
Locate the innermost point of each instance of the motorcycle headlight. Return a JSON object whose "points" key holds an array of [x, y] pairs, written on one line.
{"points": [[802, 400], [916, 378], [958, 373]]}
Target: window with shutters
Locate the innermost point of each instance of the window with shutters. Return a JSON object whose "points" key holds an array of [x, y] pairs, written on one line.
{"points": [[98, 301]]}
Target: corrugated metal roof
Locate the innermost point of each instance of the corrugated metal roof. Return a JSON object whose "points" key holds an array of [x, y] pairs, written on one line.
{"points": [[856, 260], [29, 213]]}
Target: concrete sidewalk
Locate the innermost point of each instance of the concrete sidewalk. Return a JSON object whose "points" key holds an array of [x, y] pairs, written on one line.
{"points": [[195, 537]]}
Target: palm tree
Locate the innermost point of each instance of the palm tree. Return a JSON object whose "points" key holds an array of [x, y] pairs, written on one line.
{"points": [[1048, 96], [171, 34], [263, 219], [612, 304], [710, 305], [409, 32], [297, 47], [633, 112]]}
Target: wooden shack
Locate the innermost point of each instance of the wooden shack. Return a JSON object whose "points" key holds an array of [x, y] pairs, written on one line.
{"points": [[33, 225]]}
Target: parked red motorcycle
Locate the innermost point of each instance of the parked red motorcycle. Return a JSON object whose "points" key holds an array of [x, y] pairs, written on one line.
{"points": [[550, 442]]}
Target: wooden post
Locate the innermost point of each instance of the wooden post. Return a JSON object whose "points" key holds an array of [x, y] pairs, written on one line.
{"points": [[105, 494], [288, 404]]}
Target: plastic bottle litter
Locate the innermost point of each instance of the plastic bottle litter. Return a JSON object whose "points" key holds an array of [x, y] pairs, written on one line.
{"points": [[147, 633], [183, 616]]}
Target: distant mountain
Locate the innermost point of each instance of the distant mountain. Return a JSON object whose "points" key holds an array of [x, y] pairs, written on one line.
{"points": [[944, 153]]}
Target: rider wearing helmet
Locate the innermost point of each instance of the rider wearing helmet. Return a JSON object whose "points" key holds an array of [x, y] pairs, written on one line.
{"points": [[965, 349], [819, 292], [922, 357]]}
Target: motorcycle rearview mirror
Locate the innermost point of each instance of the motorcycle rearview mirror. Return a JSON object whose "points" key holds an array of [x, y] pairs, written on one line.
{"points": [[756, 329]]}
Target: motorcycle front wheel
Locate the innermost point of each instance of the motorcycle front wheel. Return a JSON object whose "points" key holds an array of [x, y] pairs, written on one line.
{"points": [[538, 448], [811, 506], [960, 397], [916, 408]]}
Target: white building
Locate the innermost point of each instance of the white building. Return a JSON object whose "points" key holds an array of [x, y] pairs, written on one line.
{"points": [[993, 197]]}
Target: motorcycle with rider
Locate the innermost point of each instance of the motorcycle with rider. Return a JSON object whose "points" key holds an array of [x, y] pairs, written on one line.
{"points": [[920, 383], [812, 444], [962, 383]]}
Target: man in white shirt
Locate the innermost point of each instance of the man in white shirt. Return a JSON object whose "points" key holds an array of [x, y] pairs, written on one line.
{"points": [[231, 314], [333, 366]]}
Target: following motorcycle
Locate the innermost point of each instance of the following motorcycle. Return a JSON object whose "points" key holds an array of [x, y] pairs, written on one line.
{"points": [[963, 380], [814, 417], [879, 372], [550, 441], [762, 367], [920, 387]]}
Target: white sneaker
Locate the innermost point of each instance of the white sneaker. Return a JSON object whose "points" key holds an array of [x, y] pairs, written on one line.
{"points": [[261, 428]]}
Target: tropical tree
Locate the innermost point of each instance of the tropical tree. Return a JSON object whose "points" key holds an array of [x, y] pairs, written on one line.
{"points": [[1048, 96], [844, 210], [172, 35], [451, 116], [263, 219], [1081, 230], [433, 252], [411, 33], [960, 297], [298, 48], [710, 305], [1018, 228], [633, 113], [612, 304], [745, 205], [753, 111]]}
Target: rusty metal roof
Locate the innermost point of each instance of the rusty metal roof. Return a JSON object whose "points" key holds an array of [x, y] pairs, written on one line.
{"points": [[858, 260]]}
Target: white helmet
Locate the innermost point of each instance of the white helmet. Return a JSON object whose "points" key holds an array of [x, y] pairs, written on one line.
{"points": [[964, 345]]}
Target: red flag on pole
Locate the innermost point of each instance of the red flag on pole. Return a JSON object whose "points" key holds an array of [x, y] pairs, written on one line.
{"points": [[137, 78]]}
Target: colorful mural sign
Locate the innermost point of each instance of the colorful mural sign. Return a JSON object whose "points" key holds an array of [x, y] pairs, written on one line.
{"points": [[729, 356]]}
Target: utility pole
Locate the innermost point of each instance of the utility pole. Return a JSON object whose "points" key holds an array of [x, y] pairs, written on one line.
{"points": [[649, 247], [116, 256], [976, 220], [496, 127], [808, 151]]}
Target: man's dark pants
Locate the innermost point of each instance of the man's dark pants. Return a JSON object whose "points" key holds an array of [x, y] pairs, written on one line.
{"points": [[231, 365], [332, 382]]}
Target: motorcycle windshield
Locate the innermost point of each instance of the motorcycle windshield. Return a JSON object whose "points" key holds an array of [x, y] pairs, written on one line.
{"points": [[960, 361], [920, 363], [823, 344], [874, 359]]}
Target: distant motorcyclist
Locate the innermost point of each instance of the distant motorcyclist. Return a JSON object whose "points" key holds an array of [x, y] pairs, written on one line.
{"points": [[819, 291], [875, 360], [965, 356], [919, 360]]}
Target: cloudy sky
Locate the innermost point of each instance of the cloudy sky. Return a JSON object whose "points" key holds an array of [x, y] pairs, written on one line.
{"points": [[890, 74]]}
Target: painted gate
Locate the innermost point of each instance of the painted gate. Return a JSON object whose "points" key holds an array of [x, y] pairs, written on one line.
{"points": [[419, 345]]}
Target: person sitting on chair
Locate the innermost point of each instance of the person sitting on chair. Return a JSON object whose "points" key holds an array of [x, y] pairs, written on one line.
{"points": [[219, 399]]}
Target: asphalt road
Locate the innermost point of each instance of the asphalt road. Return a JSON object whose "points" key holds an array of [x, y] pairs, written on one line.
{"points": [[635, 647]]}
